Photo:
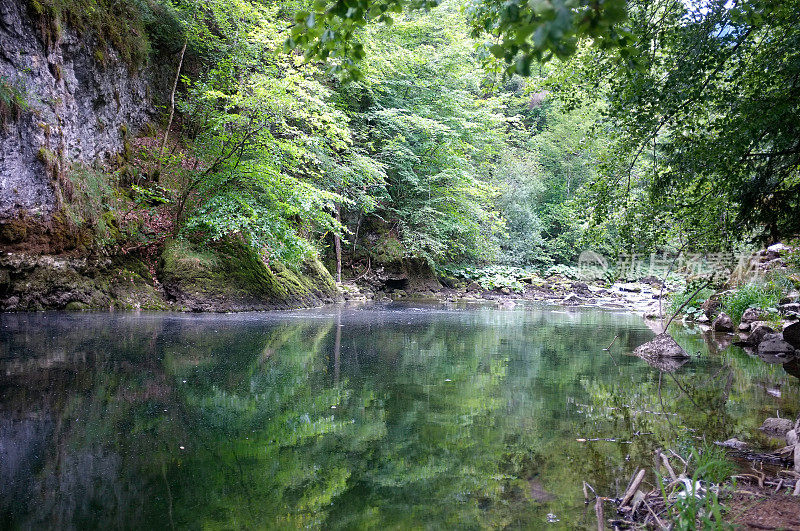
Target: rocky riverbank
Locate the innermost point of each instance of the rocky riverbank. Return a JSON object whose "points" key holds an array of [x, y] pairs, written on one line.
{"points": [[640, 297], [223, 278]]}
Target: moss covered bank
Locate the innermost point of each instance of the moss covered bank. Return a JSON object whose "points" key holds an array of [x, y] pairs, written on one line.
{"points": [[225, 277]]}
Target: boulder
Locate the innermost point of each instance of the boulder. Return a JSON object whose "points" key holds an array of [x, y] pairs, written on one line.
{"points": [[744, 327], [789, 307], [797, 459], [581, 287], [791, 334], [773, 349], [723, 323], [661, 346], [703, 319], [758, 333], [630, 287], [474, 286], [791, 437], [776, 249], [752, 314], [651, 281], [776, 427]]}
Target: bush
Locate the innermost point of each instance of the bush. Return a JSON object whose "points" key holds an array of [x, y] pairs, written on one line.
{"points": [[762, 295]]}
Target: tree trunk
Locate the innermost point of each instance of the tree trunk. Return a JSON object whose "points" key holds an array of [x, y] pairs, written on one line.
{"points": [[172, 105], [337, 243]]}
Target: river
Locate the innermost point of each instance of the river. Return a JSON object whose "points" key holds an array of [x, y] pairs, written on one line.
{"points": [[381, 416]]}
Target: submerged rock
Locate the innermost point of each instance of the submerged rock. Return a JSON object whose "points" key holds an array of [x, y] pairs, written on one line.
{"points": [[734, 443], [793, 367], [773, 349]]}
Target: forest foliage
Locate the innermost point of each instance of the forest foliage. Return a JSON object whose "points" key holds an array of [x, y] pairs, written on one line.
{"points": [[477, 133]]}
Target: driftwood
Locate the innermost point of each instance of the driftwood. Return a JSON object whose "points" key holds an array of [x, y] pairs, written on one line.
{"points": [[639, 508], [598, 509], [632, 488]]}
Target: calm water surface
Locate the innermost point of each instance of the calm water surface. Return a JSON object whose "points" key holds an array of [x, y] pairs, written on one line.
{"points": [[390, 416]]}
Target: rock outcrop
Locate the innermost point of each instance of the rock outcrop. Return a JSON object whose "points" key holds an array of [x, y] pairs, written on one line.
{"points": [[78, 102]]}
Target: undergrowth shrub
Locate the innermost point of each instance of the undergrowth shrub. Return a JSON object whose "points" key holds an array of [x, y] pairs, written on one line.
{"points": [[492, 277], [696, 502], [763, 295]]}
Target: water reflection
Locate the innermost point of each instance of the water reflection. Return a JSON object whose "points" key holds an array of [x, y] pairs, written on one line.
{"points": [[389, 416]]}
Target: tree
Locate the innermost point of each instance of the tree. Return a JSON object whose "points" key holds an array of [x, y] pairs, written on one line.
{"points": [[710, 122], [519, 32]]}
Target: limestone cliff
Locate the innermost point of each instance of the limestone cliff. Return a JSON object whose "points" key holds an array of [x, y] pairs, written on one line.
{"points": [[70, 102], [77, 103]]}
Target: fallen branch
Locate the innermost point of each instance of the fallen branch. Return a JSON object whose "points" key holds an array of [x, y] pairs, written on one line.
{"points": [[636, 480], [598, 510], [665, 460]]}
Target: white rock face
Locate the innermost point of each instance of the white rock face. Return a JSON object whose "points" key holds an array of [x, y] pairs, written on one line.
{"points": [[77, 108]]}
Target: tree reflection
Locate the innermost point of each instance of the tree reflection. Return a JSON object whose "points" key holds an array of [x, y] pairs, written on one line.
{"points": [[453, 420]]}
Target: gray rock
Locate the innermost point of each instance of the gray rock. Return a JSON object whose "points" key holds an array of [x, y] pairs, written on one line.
{"points": [[775, 427], [791, 437], [661, 346], [752, 314], [791, 307], [703, 319], [630, 287], [797, 458], [777, 249], [792, 296], [651, 281], [758, 333], [744, 327], [791, 334], [773, 349], [723, 323]]}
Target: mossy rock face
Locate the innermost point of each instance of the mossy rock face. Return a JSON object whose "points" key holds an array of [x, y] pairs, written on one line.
{"points": [[34, 283], [229, 276], [13, 231]]}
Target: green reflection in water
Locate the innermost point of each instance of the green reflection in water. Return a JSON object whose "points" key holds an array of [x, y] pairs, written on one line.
{"points": [[386, 416]]}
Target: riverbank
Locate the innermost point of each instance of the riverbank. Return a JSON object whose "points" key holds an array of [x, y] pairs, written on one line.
{"points": [[225, 277]]}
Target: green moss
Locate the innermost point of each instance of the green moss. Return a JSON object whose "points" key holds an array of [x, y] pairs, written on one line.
{"points": [[129, 26], [13, 231], [388, 249], [231, 275]]}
